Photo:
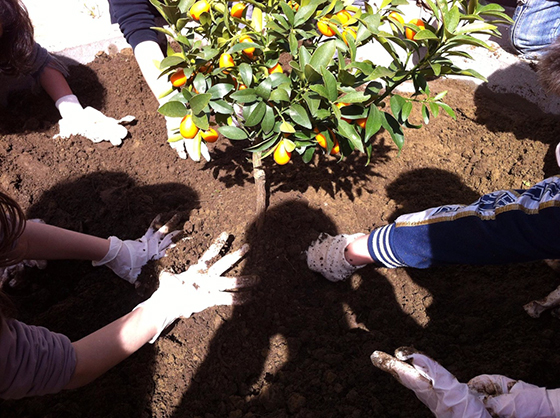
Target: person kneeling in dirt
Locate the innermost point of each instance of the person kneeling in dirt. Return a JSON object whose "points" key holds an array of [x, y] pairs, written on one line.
{"points": [[35, 361], [24, 63]]}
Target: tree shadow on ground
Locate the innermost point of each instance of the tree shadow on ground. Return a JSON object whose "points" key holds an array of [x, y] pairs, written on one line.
{"points": [[75, 299], [232, 166]]}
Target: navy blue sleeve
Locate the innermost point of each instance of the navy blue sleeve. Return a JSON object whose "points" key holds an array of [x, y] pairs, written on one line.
{"points": [[135, 19], [507, 226]]}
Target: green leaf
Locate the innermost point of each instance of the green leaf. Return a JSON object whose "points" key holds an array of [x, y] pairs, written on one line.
{"points": [[307, 156], [246, 73], [397, 103], [451, 19], [293, 42], [219, 91], [244, 96], [425, 114], [221, 106], [201, 120], [394, 128], [263, 89], [257, 19], [255, 115], [330, 84], [199, 83], [425, 34], [374, 122], [313, 103], [323, 55], [348, 131], [268, 121], [287, 127], [279, 95], [436, 68], [173, 109], [447, 109], [199, 102], [304, 13], [434, 109], [299, 115], [171, 61], [232, 132], [475, 27]]}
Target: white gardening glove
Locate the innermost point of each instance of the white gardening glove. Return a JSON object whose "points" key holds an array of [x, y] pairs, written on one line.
{"points": [[194, 148], [126, 258], [200, 287], [10, 274], [89, 122], [505, 397], [438, 389], [326, 256]]}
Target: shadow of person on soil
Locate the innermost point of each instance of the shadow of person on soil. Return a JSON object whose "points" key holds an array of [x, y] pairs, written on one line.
{"points": [[476, 321], [75, 298], [24, 108], [301, 346], [295, 348], [232, 166], [500, 109]]}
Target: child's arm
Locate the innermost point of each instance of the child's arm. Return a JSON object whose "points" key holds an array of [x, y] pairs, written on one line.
{"points": [[126, 258], [54, 83]]}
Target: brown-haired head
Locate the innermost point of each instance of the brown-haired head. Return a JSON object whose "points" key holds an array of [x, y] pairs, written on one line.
{"points": [[16, 38], [548, 69], [12, 224]]}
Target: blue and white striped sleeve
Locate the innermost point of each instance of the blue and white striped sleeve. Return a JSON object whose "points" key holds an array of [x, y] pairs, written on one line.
{"points": [[506, 226]]}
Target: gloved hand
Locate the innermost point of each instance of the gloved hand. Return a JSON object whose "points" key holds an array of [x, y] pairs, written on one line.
{"points": [[438, 389], [192, 147], [126, 258], [326, 256], [10, 274], [198, 288], [89, 122], [505, 397]]}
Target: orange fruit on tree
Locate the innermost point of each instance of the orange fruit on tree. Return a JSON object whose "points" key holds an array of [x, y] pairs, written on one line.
{"points": [[409, 33], [348, 32], [320, 138], [324, 28], [226, 60], [211, 135], [293, 5], [361, 122], [178, 79], [187, 128], [397, 17], [201, 6], [344, 16], [237, 9], [281, 154], [276, 69], [242, 87], [247, 51], [336, 148]]}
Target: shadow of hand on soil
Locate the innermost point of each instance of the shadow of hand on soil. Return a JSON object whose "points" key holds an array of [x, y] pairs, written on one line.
{"points": [[233, 167], [76, 299], [501, 110], [25, 107]]}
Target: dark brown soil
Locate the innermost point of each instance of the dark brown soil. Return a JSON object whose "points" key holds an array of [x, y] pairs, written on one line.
{"points": [[300, 347]]}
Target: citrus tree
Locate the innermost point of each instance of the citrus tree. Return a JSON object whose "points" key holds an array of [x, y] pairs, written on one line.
{"points": [[227, 72]]}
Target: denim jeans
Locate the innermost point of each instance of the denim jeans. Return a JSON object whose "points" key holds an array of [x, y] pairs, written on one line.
{"points": [[536, 25]]}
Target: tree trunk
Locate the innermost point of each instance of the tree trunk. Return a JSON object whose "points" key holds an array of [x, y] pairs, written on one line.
{"points": [[260, 182]]}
